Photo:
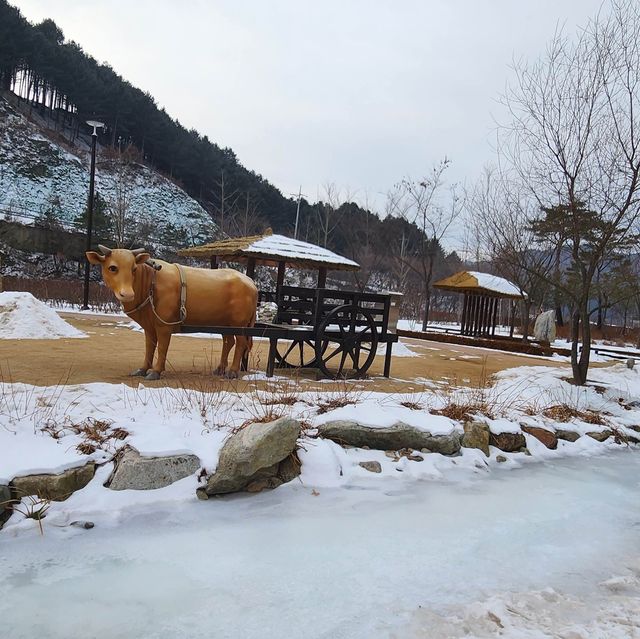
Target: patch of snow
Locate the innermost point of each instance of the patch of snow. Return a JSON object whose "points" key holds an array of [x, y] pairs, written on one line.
{"points": [[497, 284], [287, 247], [22, 316]]}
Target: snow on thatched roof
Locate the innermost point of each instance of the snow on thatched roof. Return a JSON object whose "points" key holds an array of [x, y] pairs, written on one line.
{"points": [[474, 281], [270, 249]]}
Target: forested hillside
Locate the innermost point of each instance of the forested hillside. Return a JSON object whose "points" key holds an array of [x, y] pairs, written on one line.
{"points": [[58, 86]]}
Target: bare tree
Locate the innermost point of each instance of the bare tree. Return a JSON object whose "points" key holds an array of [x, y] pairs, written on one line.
{"points": [[574, 141], [498, 211], [419, 202], [329, 209]]}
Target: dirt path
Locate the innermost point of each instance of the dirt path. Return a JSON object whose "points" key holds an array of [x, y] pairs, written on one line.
{"points": [[113, 349]]}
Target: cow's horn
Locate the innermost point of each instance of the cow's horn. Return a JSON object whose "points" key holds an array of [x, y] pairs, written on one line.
{"points": [[138, 251], [106, 251]]}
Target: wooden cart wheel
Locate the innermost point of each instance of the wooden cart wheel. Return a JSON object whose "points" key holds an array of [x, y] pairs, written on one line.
{"points": [[346, 342], [294, 355]]}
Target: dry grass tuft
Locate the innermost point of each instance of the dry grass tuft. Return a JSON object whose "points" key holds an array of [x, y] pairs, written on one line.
{"points": [[564, 413]]}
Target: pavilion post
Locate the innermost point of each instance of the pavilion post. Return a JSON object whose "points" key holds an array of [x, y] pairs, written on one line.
{"points": [[463, 321], [251, 267], [322, 277], [280, 280], [213, 261], [512, 319], [496, 302]]}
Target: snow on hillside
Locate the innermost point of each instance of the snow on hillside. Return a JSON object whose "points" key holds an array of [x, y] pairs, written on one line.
{"points": [[22, 316], [38, 175]]}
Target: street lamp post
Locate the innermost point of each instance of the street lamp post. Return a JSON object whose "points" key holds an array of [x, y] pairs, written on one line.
{"points": [[92, 179]]}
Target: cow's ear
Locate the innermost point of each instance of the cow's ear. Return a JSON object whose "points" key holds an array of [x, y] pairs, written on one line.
{"points": [[95, 258], [143, 257]]}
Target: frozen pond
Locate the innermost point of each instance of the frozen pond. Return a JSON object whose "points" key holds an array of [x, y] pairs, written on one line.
{"points": [[343, 563]]}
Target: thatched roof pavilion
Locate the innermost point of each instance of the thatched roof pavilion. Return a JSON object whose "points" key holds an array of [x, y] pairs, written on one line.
{"points": [[482, 292], [268, 249]]}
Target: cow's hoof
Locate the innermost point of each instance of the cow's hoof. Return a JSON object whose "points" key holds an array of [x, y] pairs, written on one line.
{"points": [[231, 374], [139, 372], [219, 371], [152, 376]]}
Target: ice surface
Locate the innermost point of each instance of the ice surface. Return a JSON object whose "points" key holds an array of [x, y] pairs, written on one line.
{"points": [[22, 316], [335, 564]]}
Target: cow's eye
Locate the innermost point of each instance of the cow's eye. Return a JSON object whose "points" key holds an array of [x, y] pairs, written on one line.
{"points": [[113, 268]]}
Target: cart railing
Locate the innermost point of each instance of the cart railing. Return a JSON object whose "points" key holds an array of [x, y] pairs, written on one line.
{"points": [[310, 306]]}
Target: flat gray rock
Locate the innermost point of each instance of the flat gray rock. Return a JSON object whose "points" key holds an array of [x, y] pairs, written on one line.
{"points": [[395, 437], [137, 472], [56, 487]]}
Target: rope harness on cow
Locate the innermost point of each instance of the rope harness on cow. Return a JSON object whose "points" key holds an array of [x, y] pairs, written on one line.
{"points": [[150, 299]]}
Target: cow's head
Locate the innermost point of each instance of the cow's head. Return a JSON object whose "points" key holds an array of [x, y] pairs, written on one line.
{"points": [[118, 269]]}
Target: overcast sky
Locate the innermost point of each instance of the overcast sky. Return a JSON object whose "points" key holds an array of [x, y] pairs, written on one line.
{"points": [[355, 92]]}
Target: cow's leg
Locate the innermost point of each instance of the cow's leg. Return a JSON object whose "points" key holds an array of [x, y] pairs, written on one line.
{"points": [[164, 338], [242, 346], [227, 344], [149, 351]]}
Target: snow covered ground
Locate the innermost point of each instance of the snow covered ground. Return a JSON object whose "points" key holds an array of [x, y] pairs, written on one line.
{"points": [[435, 547], [401, 559]]}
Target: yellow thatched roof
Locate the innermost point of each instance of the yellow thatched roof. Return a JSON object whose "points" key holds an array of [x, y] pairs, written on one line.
{"points": [[269, 249], [484, 283]]}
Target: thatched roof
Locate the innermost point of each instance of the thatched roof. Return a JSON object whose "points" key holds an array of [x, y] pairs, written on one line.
{"points": [[269, 249], [483, 283]]}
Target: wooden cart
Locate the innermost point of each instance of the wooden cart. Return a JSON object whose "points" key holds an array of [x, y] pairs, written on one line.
{"points": [[335, 332]]}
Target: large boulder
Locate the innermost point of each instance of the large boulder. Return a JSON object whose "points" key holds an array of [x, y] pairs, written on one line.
{"points": [[258, 456], [134, 471], [54, 487], [508, 442], [476, 435], [395, 437], [547, 437], [544, 330]]}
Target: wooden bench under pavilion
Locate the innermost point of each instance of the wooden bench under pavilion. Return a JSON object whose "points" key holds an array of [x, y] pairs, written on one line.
{"points": [[482, 294]]}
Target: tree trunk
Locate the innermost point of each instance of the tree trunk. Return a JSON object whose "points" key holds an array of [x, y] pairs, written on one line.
{"points": [[580, 323], [526, 305], [427, 308]]}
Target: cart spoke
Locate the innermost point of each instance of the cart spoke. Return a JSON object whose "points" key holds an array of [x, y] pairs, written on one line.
{"points": [[338, 350]]}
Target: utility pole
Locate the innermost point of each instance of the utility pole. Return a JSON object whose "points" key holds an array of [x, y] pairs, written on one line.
{"points": [[295, 232], [92, 179]]}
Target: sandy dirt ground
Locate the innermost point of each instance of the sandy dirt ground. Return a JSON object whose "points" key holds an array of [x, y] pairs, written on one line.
{"points": [[113, 349]]}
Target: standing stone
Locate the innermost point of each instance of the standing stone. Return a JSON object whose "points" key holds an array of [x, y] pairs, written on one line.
{"points": [[476, 435], [134, 471], [544, 329], [248, 452], [54, 487]]}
